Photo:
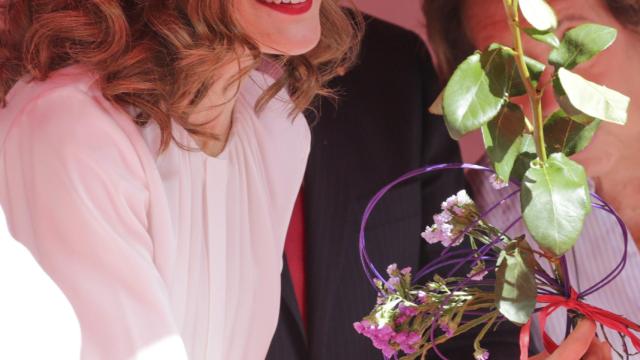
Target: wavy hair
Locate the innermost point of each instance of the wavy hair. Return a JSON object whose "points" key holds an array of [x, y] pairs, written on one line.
{"points": [[161, 56]]}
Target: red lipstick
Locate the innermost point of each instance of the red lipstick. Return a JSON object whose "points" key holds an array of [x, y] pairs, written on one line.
{"points": [[288, 8]]}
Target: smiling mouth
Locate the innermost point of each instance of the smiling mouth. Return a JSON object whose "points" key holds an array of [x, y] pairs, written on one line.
{"points": [[289, 7]]}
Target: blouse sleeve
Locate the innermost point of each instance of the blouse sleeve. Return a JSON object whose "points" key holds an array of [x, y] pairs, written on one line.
{"points": [[76, 195]]}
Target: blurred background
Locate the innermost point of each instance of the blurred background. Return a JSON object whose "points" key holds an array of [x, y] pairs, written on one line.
{"points": [[407, 13]]}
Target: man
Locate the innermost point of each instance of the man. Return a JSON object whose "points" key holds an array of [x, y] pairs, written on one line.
{"points": [[378, 130], [456, 28]]}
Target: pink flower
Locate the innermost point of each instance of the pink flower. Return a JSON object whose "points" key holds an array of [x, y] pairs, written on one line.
{"points": [[393, 283], [407, 341], [461, 199], [440, 234], [422, 297], [381, 337], [411, 342], [478, 271], [481, 354], [497, 183], [477, 275], [388, 350], [447, 327], [442, 218], [400, 319], [408, 310], [392, 270], [387, 340], [432, 235], [457, 211]]}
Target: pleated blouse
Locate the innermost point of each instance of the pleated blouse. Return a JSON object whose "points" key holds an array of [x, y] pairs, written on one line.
{"points": [[170, 255]]}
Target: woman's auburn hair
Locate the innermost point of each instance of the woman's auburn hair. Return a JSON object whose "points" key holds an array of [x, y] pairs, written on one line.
{"points": [[161, 56], [450, 42]]}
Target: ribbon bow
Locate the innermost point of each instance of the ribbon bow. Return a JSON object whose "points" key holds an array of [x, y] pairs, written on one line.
{"points": [[554, 302]]}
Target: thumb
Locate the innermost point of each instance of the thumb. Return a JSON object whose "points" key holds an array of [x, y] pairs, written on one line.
{"points": [[599, 350], [578, 342]]}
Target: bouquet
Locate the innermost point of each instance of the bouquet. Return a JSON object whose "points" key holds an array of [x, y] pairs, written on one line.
{"points": [[412, 315]]}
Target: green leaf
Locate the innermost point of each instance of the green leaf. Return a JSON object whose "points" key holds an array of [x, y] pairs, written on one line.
{"points": [[546, 37], [503, 139], [565, 104], [535, 68], [564, 134], [475, 93], [517, 87], [516, 283], [555, 201], [582, 43], [386, 313], [436, 107], [575, 93], [539, 14], [525, 157]]}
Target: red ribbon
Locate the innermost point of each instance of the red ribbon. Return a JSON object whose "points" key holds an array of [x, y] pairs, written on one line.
{"points": [[608, 319]]}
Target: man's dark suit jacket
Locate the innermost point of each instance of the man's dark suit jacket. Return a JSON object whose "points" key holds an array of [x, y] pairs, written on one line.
{"points": [[379, 130]]}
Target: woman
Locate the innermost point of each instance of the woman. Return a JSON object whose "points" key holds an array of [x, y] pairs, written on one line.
{"points": [[152, 171], [610, 160]]}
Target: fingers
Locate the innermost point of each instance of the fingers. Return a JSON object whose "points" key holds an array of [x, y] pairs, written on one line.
{"points": [[541, 356], [576, 345], [607, 352], [581, 344], [598, 350]]}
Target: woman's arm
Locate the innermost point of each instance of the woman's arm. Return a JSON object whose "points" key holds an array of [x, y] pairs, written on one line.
{"points": [[76, 195]]}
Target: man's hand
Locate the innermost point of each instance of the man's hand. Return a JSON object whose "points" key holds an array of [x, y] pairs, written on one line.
{"points": [[581, 344]]}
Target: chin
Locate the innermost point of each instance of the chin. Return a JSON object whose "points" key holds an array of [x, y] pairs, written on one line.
{"points": [[296, 44]]}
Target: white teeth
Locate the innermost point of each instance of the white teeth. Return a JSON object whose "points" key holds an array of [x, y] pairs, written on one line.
{"points": [[286, 1]]}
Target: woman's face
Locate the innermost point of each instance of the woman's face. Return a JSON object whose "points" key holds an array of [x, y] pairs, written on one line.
{"points": [[285, 27]]}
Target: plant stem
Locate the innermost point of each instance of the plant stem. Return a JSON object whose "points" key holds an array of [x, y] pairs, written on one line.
{"points": [[483, 332], [462, 329], [535, 97], [538, 130]]}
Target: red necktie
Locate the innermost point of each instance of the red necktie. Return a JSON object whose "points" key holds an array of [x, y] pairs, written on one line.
{"points": [[295, 251]]}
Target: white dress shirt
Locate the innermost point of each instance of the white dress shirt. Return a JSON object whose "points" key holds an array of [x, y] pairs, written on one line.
{"points": [[162, 255]]}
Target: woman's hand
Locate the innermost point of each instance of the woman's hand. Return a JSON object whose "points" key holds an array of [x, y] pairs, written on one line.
{"points": [[581, 344]]}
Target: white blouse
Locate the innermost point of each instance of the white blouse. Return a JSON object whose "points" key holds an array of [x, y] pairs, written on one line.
{"points": [[174, 253]]}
